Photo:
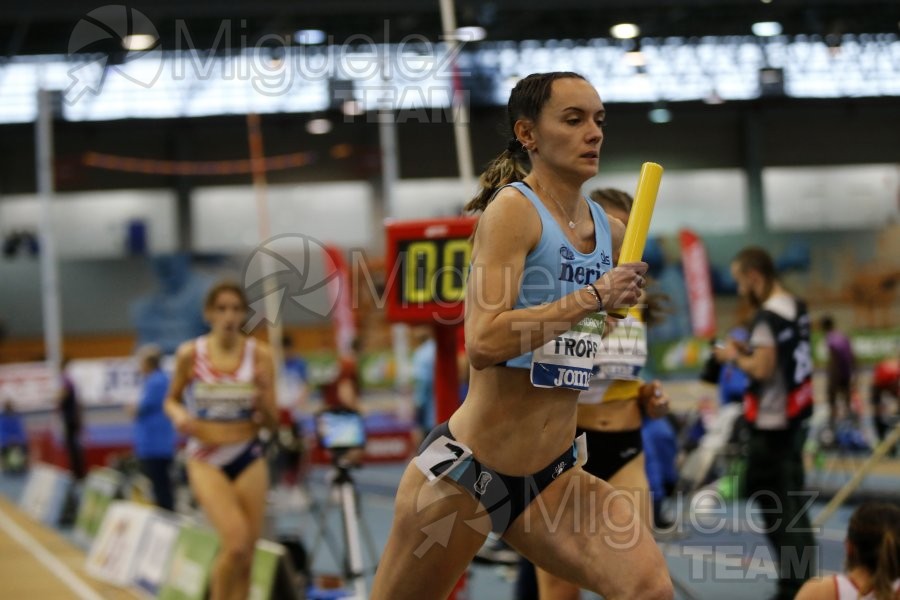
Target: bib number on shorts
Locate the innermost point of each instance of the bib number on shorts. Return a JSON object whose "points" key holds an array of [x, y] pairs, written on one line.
{"points": [[442, 457]]}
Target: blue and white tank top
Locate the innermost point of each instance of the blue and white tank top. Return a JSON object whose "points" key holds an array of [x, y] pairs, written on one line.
{"points": [[219, 396], [553, 269]]}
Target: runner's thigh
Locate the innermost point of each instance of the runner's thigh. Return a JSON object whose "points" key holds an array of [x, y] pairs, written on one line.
{"points": [[437, 529], [582, 530]]}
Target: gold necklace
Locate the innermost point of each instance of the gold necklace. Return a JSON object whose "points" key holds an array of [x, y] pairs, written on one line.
{"points": [[572, 223]]}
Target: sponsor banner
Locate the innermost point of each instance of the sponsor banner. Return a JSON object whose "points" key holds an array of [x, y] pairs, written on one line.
{"points": [[379, 448], [31, 386], [156, 549], [377, 370], [114, 553], [699, 285], [187, 577], [266, 561], [687, 355], [99, 382], [339, 293], [101, 486], [45, 493], [680, 357], [106, 381], [870, 347]]}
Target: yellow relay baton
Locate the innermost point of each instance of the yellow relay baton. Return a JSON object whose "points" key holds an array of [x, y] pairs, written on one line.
{"points": [[639, 222]]}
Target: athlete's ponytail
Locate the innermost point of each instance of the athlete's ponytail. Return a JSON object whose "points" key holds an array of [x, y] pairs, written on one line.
{"points": [[874, 536], [506, 168], [888, 569]]}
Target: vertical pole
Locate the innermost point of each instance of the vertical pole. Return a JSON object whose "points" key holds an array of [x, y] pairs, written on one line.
{"points": [[460, 109], [49, 277], [446, 375], [258, 168], [387, 138], [390, 174], [751, 129]]}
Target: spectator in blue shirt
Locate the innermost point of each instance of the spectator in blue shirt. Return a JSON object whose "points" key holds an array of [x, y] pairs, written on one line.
{"points": [[154, 435], [732, 381], [423, 360], [13, 440]]}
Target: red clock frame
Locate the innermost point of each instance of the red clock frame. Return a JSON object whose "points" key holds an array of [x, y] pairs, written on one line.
{"points": [[427, 262]]}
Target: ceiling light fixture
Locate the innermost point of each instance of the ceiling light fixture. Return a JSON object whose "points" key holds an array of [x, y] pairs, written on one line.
{"points": [[625, 31], [472, 33], [309, 37], [659, 114], [138, 41], [766, 28], [318, 126]]}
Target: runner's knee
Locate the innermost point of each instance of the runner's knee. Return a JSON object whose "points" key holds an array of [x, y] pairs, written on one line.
{"points": [[237, 546], [650, 583]]}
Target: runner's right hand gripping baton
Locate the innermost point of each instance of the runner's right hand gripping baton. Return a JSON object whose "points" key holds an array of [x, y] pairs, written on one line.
{"points": [[639, 222]]}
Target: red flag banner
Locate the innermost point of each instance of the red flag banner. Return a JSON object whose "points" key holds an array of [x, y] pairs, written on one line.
{"points": [[699, 285], [338, 277]]}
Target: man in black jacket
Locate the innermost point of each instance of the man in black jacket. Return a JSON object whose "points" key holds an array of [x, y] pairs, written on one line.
{"points": [[777, 407]]}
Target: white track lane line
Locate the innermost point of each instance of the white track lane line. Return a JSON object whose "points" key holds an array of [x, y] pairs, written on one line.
{"points": [[82, 590]]}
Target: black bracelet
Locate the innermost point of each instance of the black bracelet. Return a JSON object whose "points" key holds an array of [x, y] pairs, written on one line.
{"points": [[596, 294]]}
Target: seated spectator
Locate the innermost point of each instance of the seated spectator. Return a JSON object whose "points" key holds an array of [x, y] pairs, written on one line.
{"points": [[13, 440], [872, 550]]}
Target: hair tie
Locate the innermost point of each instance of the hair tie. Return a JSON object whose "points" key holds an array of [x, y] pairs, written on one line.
{"points": [[515, 146]]}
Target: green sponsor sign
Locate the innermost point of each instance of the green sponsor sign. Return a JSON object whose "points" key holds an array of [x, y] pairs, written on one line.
{"points": [[681, 357], [192, 560], [687, 355], [265, 568], [869, 346], [101, 487], [377, 370]]}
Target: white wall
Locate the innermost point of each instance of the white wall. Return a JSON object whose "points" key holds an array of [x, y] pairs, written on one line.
{"points": [[95, 224], [841, 197], [703, 200], [225, 218], [430, 198]]}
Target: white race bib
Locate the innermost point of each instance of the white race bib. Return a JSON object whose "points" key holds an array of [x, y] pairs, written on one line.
{"points": [[623, 353], [567, 361], [224, 401], [442, 457]]}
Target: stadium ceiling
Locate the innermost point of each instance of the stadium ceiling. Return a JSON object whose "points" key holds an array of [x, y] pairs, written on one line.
{"points": [[45, 26]]}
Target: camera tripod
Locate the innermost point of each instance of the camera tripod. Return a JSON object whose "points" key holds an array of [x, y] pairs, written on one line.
{"points": [[344, 487]]}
